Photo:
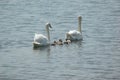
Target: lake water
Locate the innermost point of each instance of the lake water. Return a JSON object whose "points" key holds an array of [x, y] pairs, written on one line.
{"points": [[97, 57]]}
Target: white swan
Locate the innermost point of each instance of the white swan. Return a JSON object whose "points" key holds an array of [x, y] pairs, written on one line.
{"points": [[75, 34], [40, 40]]}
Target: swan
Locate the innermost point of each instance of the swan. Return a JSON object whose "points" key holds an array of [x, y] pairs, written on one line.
{"points": [[75, 34], [40, 40]]}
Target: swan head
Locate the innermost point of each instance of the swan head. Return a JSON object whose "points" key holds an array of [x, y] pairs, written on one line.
{"points": [[48, 25]]}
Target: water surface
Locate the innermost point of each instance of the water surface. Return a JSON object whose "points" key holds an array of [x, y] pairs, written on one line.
{"points": [[97, 57]]}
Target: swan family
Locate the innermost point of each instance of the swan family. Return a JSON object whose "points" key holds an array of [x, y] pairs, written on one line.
{"points": [[41, 40]]}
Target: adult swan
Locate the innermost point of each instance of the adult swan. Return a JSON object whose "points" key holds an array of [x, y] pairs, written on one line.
{"points": [[75, 34], [40, 40]]}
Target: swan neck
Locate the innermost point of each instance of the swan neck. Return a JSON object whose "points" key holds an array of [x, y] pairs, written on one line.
{"points": [[79, 23], [48, 33]]}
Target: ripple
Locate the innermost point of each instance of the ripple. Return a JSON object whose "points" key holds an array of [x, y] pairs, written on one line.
{"points": [[94, 58]]}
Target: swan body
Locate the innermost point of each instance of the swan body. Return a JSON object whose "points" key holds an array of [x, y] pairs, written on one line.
{"points": [[75, 34], [40, 39]]}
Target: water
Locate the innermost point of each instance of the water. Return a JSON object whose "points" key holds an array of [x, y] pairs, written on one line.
{"points": [[97, 57]]}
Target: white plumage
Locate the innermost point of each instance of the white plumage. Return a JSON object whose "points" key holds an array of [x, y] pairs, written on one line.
{"points": [[40, 40], [75, 34]]}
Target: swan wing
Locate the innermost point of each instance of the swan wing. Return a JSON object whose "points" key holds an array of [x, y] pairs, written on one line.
{"points": [[41, 39], [75, 35]]}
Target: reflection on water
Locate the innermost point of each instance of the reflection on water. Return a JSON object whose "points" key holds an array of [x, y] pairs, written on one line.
{"points": [[79, 43], [42, 48]]}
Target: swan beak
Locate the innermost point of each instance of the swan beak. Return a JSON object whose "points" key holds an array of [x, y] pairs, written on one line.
{"points": [[50, 26]]}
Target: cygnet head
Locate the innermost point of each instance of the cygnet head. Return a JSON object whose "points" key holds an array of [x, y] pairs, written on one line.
{"points": [[60, 40], [54, 43], [66, 39]]}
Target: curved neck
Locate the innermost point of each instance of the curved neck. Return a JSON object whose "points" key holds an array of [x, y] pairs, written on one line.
{"points": [[79, 23], [48, 34]]}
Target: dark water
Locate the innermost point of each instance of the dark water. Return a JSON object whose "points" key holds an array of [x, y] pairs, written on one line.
{"points": [[97, 57]]}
